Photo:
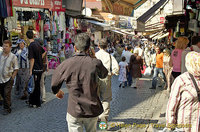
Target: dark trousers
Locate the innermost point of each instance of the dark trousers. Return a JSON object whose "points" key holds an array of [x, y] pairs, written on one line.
{"points": [[5, 91], [34, 98], [129, 78], [175, 74]]}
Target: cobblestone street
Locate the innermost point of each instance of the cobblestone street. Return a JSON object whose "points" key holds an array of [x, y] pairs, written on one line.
{"points": [[136, 107]]}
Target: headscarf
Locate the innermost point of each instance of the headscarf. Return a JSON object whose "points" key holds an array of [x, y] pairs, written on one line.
{"points": [[20, 41], [192, 63], [167, 51]]}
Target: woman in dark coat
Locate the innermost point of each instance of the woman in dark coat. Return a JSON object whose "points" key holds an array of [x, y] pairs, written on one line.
{"points": [[135, 67]]}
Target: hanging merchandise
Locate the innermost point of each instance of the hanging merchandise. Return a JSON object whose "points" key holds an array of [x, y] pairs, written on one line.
{"points": [[14, 36], [71, 23], [56, 18], [11, 22], [75, 23], [3, 9]]}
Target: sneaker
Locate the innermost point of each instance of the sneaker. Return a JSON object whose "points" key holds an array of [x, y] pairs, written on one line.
{"points": [[132, 86], [120, 85], [24, 97], [43, 101], [1, 102], [6, 112], [16, 92], [152, 88]]}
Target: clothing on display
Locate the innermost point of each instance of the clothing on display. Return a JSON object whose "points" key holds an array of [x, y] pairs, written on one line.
{"points": [[3, 9]]}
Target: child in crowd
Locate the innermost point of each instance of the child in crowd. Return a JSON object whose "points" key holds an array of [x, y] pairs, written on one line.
{"points": [[122, 72], [62, 54]]}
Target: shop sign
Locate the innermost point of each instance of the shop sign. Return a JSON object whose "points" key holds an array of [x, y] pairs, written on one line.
{"points": [[57, 5], [117, 8], [32, 3], [162, 20]]}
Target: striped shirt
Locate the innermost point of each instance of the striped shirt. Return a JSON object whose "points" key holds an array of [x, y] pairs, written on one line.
{"points": [[183, 106], [7, 66], [22, 56]]}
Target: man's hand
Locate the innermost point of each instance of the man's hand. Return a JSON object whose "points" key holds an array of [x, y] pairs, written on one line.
{"points": [[30, 73], [60, 94]]}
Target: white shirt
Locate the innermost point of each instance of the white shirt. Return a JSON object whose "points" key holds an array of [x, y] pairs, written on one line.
{"points": [[127, 54], [7, 66], [140, 51], [105, 58]]}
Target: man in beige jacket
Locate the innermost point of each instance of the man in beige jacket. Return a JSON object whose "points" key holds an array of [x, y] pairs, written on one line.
{"points": [[105, 90]]}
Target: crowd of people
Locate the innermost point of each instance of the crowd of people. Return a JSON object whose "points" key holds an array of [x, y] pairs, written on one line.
{"points": [[88, 73]]}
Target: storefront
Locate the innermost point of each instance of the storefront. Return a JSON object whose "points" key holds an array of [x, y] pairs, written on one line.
{"points": [[5, 11]]}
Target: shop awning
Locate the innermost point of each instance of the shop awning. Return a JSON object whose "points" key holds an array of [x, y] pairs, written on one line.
{"points": [[117, 7], [116, 31], [105, 26], [160, 36], [151, 11]]}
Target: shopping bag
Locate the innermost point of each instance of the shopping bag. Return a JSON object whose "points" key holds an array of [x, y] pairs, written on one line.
{"points": [[142, 71], [148, 71], [30, 84]]}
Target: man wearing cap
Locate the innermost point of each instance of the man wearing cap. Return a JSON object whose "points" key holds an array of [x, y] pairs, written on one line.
{"points": [[81, 73], [23, 72], [105, 90]]}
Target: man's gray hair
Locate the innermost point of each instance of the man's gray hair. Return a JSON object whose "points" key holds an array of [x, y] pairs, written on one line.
{"points": [[82, 41]]}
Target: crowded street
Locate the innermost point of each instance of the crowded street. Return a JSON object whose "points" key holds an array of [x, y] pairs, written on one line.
{"points": [[99, 65], [140, 106]]}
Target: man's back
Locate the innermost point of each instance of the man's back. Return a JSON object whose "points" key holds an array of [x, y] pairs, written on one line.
{"points": [[106, 60], [127, 54], [35, 52], [81, 73]]}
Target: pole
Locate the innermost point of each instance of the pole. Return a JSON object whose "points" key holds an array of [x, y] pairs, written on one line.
{"points": [[85, 7]]}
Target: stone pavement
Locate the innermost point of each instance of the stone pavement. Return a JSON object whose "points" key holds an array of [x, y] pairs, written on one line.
{"points": [[136, 107]]}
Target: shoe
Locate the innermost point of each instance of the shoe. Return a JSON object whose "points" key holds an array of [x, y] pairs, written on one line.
{"points": [[135, 87], [1, 102], [123, 86], [120, 85], [99, 120], [16, 92], [6, 112], [24, 97], [152, 88], [43, 101]]}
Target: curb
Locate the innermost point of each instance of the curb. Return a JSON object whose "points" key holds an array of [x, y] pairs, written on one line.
{"points": [[160, 115]]}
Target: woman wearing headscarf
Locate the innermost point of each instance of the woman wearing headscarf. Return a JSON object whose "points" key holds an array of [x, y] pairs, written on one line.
{"points": [[183, 106], [135, 67], [23, 72]]}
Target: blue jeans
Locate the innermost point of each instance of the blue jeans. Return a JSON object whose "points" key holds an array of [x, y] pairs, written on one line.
{"points": [[129, 79], [155, 75]]}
